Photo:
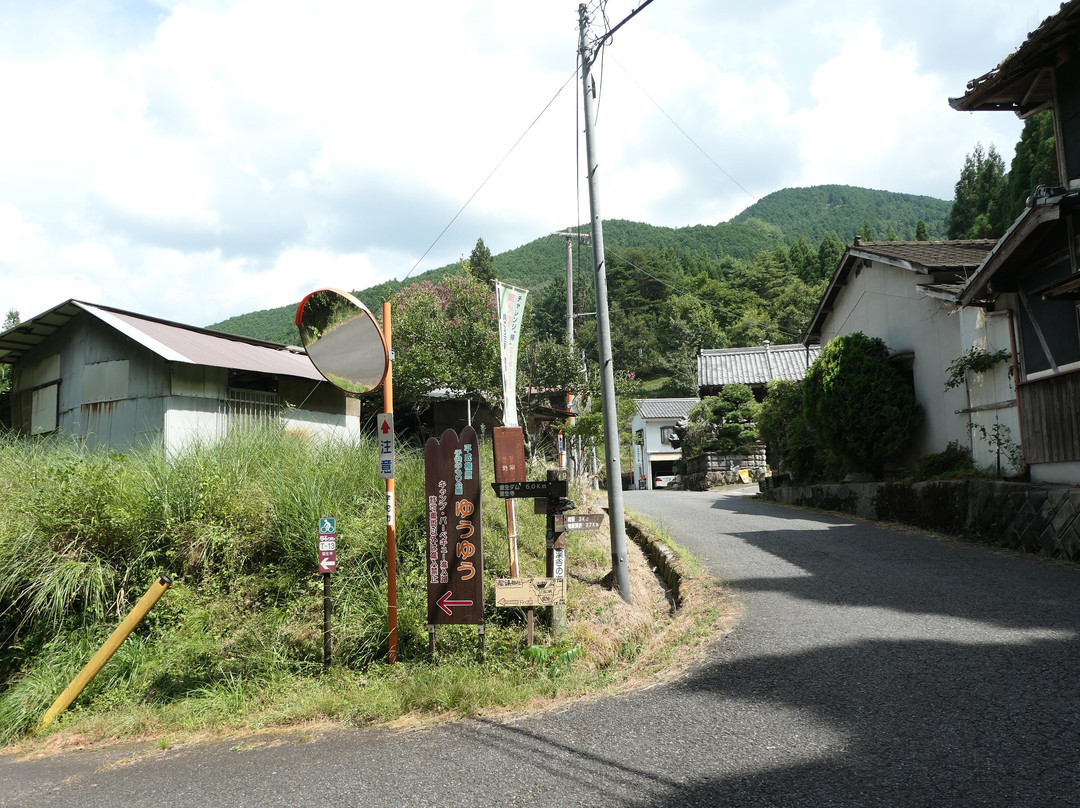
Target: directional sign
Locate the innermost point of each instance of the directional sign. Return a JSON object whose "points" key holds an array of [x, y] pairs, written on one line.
{"points": [[544, 488], [580, 521], [327, 544], [385, 433], [530, 591]]}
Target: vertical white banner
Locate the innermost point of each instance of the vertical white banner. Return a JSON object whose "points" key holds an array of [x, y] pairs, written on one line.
{"points": [[511, 307]]}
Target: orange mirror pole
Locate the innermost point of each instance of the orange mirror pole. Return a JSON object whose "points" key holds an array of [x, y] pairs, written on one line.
{"points": [[391, 518]]}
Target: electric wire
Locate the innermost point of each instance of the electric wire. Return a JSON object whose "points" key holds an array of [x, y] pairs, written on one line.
{"points": [[684, 133], [490, 175]]}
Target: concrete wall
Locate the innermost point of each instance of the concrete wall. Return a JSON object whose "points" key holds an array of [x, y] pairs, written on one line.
{"points": [[881, 301], [1033, 518]]}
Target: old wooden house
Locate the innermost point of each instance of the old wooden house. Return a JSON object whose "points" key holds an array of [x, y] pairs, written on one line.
{"points": [[122, 380], [1030, 282]]}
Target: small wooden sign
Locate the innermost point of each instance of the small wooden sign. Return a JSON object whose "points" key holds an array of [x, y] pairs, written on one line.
{"points": [[521, 490], [580, 521], [530, 591], [509, 454]]}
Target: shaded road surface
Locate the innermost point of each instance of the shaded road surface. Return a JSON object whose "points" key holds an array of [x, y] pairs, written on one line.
{"points": [[870, 668]]}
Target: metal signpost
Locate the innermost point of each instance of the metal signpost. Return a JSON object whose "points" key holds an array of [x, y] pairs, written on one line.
{"points": [[327, 565]]}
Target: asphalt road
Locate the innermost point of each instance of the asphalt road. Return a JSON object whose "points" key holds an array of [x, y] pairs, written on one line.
{"points": [[871, 667]]}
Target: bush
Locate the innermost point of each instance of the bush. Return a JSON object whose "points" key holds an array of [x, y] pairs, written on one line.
{"points": [[859, 405], [784, 429], [954, 461], [722, 423]]}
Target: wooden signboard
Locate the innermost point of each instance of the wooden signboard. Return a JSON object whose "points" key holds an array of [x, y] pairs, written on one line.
{"points": [[455, 550], [530, 591], [509, 454]]}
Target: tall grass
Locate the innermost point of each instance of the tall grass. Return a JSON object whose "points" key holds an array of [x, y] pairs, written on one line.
{"points": [[83, 534]]}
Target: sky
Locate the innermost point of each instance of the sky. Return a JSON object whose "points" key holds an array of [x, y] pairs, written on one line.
{"points": [[198, 160]]}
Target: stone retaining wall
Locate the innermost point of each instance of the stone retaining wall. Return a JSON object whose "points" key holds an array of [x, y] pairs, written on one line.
{"points": [[713, 468], [1035, 518]]}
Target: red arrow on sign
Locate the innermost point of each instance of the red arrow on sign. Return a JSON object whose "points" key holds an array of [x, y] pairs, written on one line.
{"points": [[445, 603], [385, 427]]}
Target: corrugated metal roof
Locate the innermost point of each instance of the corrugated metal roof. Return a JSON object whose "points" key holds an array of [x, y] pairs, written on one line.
{"points": [[172, 341], [664, 407], [758, 365]]}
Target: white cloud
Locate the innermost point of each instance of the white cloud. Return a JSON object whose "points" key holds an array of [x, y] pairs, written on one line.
{"points": [[196, 160]]}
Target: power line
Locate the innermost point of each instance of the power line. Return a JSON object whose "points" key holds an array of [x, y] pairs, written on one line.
{"points": [[468, 201], [683, 131]]}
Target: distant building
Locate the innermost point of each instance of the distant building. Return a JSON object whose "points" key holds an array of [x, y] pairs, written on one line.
{"points": [[754, 367], [121, 380], [653, 430]]}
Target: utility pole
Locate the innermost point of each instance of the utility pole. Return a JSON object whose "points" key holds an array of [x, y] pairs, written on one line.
{"points": [[620, 567], [570, 236]]}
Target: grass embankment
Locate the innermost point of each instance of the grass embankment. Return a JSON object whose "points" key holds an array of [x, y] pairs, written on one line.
{"points": [[235, 644]]}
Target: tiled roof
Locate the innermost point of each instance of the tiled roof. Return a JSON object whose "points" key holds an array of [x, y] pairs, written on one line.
{"points": [[929, 255], [172, 341], [757, 365], [664, 407], [1022, 82], [945, 261]]}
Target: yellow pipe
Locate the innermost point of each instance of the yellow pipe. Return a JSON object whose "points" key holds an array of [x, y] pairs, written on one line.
{"points": [[116, 639]]}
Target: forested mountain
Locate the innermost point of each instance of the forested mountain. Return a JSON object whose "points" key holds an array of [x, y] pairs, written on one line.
{"points": [[794, 218], [813, 212]]}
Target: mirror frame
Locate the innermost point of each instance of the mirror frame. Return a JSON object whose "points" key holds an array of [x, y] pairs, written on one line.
{"points": [[363, 311]]}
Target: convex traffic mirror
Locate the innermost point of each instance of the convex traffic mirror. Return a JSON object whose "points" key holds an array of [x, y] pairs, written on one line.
{"points": [[342, 340]]}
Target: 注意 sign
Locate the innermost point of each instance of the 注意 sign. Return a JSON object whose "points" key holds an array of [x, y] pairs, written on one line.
{"points": [[455, 550], [328, 544], [530, 591]]}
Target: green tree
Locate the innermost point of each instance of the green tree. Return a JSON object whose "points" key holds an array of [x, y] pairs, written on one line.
{"points": [[445, 337], [891, 235], [10, 321], [722, 423], [830, 252], [859, 405], [803, 259], [481, 264], [792, 444], [921, 233], [867, 232], [978, 208], [1034, 164]]}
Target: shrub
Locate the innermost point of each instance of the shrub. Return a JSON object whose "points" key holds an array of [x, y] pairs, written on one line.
{"points": [[793, 444], [954, 461], [722, 423], [859, 405]]}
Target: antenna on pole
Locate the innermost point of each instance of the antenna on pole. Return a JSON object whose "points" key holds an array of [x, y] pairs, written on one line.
{"points": [[616, 516]]}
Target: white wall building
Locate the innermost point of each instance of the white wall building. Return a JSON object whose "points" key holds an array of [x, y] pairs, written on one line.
{"points": [[904, 292], [653, 435]]}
